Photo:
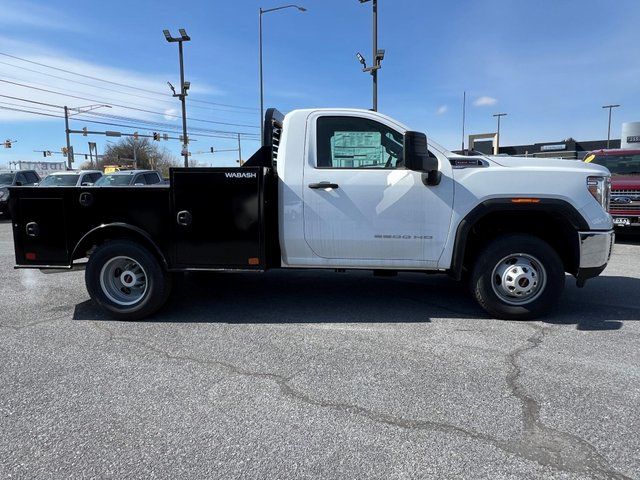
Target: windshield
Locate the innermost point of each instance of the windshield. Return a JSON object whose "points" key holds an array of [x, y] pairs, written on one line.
{"points": [[113, 180], [6, 178], [617, 164], [60, 181]]}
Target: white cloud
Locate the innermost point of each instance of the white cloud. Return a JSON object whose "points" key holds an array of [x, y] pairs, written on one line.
{"points": [[170, 114], [442, 110], [88, 91], [485, 101], [27, 14]]}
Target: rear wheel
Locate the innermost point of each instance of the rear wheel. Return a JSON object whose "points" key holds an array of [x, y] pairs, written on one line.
{"points": [[126, 279], [518, 277]]}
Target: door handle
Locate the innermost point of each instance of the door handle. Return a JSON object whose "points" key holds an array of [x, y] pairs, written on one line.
{"points": [[184, 218], [324, 185]]}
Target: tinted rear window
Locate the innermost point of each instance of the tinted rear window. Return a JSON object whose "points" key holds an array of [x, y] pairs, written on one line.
{"points": [[114, 180], [6, 178], [60, 181]]}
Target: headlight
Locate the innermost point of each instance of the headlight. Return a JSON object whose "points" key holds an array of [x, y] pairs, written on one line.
{"points": [[4, 193], [600, 188]]}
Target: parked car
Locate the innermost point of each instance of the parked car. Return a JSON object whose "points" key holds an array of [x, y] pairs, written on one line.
{"points": [[125, 178], [333, 189], [624, 166], [15, 178], [78, 178]]}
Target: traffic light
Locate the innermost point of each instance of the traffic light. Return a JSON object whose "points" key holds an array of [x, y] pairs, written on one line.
{"points": [[135, 135], [165, 136], [65, 150], [84, 131], [156, 136], [7, 144], [211, 149]]}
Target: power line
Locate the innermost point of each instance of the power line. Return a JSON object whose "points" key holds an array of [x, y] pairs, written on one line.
{"points": [[228, 135], [162, 124], [166, 98], [115, 83], [144, 110], [118, 117], [62, 89]]}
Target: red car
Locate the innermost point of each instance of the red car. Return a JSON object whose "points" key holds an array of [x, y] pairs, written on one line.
{"points": [[624, 166]]}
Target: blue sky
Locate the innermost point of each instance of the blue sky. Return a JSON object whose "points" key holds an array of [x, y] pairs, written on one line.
{"points": [[550, 64]]}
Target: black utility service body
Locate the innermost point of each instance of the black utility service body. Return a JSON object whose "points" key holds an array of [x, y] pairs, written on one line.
{"points": [[205, 219]]}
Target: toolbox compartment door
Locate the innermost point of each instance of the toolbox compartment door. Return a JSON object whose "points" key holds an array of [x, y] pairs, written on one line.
{"points": [[218, 218], [39, 227]]}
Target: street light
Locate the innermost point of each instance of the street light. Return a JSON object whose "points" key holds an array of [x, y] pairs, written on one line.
{"points": [[262, 12], [378, 55], [498, 139], [184, 86], [610, 107]]}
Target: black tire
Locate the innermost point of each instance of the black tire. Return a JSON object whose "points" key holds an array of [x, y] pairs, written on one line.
{"points": [[544, 297], [158, 281]]}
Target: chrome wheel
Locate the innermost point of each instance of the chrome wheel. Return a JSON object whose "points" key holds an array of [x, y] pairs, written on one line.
{"points": [[123, 281], [518, 279]]}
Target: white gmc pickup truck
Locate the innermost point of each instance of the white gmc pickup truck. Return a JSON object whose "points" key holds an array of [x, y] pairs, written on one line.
{"points": [[333, 189]]}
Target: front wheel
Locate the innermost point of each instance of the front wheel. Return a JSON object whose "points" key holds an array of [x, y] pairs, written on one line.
{"points": [[518, 277], [126, 279]]}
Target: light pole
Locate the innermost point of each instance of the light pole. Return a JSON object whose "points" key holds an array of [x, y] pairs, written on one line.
{"points": [[378, 55], [184, 86], [262, 12], [610, 107], [498, 135]]}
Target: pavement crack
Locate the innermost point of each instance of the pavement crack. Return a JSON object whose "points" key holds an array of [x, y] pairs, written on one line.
{"points": [[545, 445], [541, 444]]}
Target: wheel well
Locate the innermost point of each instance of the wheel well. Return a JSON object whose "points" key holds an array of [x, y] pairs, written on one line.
{"points": [[102, 234], [552, 227]]}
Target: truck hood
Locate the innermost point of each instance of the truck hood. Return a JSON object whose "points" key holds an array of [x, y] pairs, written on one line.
{"points": [[625, 182], [549, 163]]}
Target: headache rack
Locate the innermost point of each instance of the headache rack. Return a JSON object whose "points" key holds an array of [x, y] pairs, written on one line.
{"points": [[267, 154]]}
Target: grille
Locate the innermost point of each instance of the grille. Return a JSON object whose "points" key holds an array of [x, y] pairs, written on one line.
{"points": [[625, 192], [626, 208]]}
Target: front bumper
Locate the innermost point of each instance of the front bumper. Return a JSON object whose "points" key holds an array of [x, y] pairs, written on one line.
{"points": [[595, 252]]}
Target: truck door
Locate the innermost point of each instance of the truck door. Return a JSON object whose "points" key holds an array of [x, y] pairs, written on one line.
{"points": [[360, 203]]}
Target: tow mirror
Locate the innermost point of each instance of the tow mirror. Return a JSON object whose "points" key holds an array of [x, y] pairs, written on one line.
{"points": [[416, 157]]}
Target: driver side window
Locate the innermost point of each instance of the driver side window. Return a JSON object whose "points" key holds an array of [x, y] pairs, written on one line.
{"points": [[354, 142]]}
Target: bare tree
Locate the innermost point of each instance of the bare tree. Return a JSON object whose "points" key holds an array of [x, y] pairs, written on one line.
{"points": [[148, 155]]}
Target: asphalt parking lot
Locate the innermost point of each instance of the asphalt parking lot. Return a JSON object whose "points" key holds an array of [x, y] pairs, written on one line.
{"points": [[317, 374]]}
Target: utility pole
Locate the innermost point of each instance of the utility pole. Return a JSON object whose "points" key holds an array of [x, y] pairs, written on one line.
{"points": [[88, 108], [610, 107], [184, 86], [498, 136], [66, 131], [378, 55], [239, 151], [135, 154]]}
